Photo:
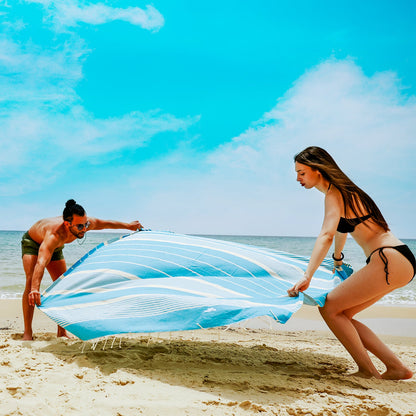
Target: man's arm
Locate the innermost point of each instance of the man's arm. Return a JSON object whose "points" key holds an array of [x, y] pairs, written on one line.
{"points": [[97, 224], [46, 249]]}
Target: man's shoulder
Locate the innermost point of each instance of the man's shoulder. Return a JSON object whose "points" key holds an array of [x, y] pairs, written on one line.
{"points": [[54, 232], [47, 223], [54, 237]]}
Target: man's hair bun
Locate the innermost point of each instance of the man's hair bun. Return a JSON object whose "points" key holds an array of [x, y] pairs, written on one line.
{"points": [[70, 203], [71, 209]]}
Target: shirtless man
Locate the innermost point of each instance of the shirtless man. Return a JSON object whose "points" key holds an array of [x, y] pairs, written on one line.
{"points": [[42, 248]]}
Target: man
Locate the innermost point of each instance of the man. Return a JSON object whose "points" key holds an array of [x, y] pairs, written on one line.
{"points": [[42, 248]]}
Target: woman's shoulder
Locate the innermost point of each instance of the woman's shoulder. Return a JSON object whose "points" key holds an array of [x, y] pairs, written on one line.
{"points": [[334, 195], [334, 203]]}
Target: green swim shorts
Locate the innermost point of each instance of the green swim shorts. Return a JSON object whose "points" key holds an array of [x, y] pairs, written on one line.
{"points": [[30, 246]]}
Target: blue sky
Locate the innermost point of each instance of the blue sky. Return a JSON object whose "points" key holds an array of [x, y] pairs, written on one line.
{"points": [[186, 115]]}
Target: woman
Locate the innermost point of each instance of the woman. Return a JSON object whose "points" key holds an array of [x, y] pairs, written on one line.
{"points": [[390, 263]]}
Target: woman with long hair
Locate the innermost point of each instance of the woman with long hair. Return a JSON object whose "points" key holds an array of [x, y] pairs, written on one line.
{"points": [[390, 263]]}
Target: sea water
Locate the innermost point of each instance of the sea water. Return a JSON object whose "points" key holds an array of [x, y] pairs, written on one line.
{"points": [[12, 277]]}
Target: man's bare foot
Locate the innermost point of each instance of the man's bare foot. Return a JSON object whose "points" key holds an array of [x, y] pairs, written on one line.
{"points": [[62, 333], [27, 337], [402, 373]]}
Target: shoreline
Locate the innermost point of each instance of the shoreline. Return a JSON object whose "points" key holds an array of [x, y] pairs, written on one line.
{"points": [[384, 320]]}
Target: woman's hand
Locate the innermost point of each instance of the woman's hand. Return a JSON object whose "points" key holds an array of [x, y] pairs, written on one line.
{"points": [[300, 286], [336, 264]]}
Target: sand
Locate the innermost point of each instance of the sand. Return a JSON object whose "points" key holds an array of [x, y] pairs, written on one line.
{"points": [[263, 369]]}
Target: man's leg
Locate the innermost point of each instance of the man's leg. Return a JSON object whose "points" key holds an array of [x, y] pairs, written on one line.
{"points": [[56, 268], [29, 263]]}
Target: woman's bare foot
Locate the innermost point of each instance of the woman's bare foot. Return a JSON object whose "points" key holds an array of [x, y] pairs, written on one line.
{"points": [[402, 373], [364, 374]]}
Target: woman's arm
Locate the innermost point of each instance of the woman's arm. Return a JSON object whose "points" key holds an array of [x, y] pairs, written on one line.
{"points": [[340, 239], [333, 209]]}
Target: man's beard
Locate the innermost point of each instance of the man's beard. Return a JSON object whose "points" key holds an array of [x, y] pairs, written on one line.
{"points": [[78, 234]]}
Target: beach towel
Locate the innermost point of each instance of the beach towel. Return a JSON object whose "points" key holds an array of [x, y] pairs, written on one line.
{"points": [[161, 281]]}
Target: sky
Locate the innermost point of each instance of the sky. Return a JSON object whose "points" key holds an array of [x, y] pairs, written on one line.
{"points": [[186, 114]]}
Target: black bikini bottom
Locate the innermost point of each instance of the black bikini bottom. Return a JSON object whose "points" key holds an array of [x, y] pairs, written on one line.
{"points": [[402, 249]]}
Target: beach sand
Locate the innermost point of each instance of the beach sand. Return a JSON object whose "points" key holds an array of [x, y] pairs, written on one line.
{"points": [[258, 367]]}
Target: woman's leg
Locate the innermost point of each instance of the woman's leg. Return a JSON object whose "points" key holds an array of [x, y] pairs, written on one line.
{"points": [[374, 344], [395, 368], [359, 291], [56, 268]]}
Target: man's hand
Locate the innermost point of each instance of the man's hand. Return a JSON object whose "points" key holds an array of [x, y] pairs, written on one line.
{"points": [[34, 298], [135, 225]]}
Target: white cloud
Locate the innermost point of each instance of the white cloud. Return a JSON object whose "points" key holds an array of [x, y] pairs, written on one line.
{"points": [[69, 13], [63, 139], [37, 77], [41, 114], [336, 106], [248, 186]]}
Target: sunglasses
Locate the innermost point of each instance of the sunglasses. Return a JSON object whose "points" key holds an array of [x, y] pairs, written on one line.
{"points": [[80, 227]]}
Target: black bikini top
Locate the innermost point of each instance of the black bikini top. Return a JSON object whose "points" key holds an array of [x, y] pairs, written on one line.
{"points": [[347, 225]]}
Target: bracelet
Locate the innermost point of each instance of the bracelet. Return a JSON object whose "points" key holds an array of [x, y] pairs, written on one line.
{"points": [[342, 257]]}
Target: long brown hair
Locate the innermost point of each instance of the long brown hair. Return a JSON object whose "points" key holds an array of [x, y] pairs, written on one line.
{"points": [[354, 198]]}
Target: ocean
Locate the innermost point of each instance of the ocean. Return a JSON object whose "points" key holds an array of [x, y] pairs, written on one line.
{"points": [[12, 277]]}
